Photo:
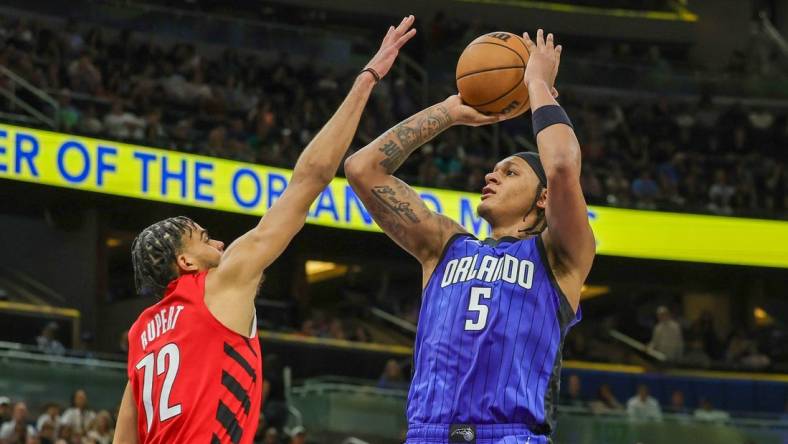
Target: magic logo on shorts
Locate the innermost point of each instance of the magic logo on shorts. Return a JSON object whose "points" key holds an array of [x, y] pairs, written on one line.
{"points": [[463, 433]]}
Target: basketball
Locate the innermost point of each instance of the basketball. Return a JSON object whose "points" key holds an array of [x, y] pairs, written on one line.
{"points": [[490, 73]]}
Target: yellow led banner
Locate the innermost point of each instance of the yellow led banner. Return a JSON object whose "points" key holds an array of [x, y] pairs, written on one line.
{"points": [[145, 173]]}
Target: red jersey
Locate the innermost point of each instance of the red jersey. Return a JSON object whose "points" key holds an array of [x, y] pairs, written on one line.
{"points": [[194, 380]]}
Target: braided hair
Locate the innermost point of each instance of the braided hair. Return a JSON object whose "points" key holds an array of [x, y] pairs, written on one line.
{"points": [[541, 222], [153, 254]]}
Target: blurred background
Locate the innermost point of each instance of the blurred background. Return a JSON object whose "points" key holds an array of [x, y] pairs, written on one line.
{"points": [[680, 107]]}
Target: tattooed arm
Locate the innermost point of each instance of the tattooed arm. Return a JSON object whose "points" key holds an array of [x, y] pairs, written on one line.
{"points": [[394, 205]]}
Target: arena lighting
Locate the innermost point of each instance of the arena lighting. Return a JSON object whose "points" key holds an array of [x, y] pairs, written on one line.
{"points": [[113, 242], [119, 169], [592, 291], [762, 318], [318, 271], [681, 13]]}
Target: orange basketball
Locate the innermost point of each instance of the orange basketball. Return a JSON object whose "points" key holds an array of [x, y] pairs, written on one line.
{"points": [[490, 73]]}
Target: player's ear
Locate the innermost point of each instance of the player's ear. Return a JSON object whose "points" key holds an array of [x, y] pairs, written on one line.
{"points": [[542, 201], [185, 262]]}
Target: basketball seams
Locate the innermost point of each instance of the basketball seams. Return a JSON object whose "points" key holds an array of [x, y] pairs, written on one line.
{"points": [[502, 46], [481, 71], [522, 42], [509, 91]]}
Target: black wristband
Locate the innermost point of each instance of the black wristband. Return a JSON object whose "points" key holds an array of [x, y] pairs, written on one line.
{"points": [[373, 72], [549, 115]]}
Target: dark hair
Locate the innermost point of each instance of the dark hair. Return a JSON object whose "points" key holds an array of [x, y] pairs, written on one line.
{"points": [[153, 254], [74, 396]]}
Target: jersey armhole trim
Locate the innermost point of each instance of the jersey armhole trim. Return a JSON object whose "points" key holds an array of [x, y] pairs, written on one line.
{"points": [[566, 307], [445, 250]]}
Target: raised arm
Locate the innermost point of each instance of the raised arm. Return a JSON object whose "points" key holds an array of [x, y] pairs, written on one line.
{"points": [[242, 265], [394, 205], [568, 239]]}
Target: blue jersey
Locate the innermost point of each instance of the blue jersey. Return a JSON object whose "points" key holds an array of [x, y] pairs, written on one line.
{"points": [[491, 328]]}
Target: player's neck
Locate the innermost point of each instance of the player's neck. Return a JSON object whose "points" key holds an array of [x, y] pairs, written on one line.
{"points": [[514, 230]]}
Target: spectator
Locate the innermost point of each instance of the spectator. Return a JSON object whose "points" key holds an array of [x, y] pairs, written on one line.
{"points": [[18, 427], [721, 194], [90, 124], [643, 407], [101, 430], [743, 351], [5, 409], [298, 435], [122, 124], [696, 356], [84, 75], [667, 337], [605, 402], [572, 396], [47, 341], [51, 414], [392, 376], [47, 433], [154, 130], [67, 115], [78, 416], [271, 436], [707, 413], [336, 329], [677, 405], [645, 191], [703, 328]]}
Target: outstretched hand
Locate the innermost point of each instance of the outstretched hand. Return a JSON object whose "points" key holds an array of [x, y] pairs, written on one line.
{"points": [[544, 57], [389, 49]]}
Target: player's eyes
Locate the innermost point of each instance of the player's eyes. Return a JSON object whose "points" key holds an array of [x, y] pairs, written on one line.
{"points": [[510, 173]]}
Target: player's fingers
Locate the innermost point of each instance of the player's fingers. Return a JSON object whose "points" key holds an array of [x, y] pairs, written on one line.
{"points": [[554, 92], [528, 42], [549, 42], [404, 39], [540, 38], [403, 24], [387, 38], [558, 50], [411, 20]]}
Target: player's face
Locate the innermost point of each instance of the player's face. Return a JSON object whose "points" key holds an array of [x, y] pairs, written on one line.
{"points": [[508, 192], [200, 252]]}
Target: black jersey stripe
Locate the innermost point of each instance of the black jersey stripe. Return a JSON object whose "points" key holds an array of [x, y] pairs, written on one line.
{"points": [[226, 418], [234, 387], [233, 353]]}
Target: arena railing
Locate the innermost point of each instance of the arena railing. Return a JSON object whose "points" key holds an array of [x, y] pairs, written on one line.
{"points": [[342, 405], [76, 358], [14, 91]]}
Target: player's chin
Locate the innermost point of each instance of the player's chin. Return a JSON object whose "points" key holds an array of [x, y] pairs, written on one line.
{"points": [[484, 209]]}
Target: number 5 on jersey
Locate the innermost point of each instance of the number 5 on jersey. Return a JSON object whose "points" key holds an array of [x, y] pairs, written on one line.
{"points": [[478, 293], [172, 356]]}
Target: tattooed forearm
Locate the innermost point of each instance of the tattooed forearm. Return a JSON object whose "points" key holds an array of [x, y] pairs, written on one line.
{"points": [[395, 156], [388, 198], [411, 134]]}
